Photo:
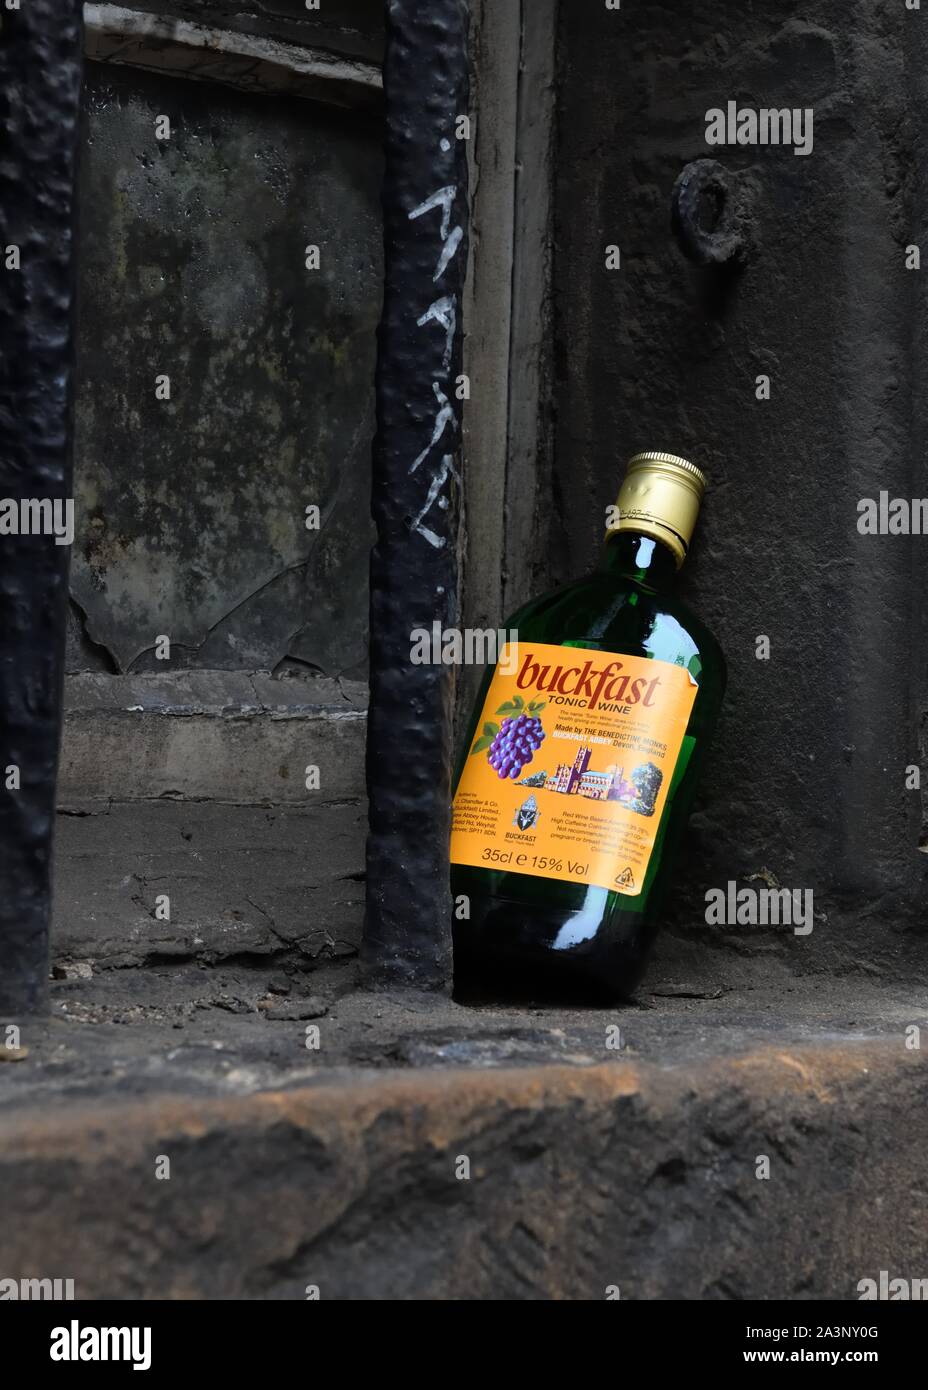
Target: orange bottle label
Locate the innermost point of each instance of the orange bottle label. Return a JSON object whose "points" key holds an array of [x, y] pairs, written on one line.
{"points": [[571, 765]]}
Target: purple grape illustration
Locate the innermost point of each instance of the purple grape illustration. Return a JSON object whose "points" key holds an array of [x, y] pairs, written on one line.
{"points": [[515, 745]]}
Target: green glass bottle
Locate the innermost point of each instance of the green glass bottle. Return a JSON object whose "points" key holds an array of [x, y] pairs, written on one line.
{"points": [[581, 760]]}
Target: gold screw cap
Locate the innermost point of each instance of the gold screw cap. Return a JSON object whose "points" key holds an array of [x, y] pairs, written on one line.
{"points": [[660, 497]]}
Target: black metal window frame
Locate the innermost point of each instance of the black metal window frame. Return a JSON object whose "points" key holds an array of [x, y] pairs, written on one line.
{"points": [[415, 487]]}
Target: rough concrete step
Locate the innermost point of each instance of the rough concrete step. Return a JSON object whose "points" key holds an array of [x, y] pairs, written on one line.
{"points": [[469, 1175], [226, 736], [186, 828]]}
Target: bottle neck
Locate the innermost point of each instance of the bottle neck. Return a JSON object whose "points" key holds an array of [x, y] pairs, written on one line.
{"points": [[641, 559]]}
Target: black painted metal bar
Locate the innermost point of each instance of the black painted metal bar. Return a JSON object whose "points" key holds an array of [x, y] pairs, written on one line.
{"points": [[415, 492], [40, 73]]}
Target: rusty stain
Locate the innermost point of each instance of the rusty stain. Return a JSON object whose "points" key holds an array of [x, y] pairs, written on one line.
{"points": [[442, 1099]]}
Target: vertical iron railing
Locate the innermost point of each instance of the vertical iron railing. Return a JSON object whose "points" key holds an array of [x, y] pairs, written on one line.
{"points": [[415, 491], [40, 72]]}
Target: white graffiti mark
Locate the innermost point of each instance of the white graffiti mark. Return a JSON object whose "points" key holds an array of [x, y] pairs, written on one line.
{"points": [[448, 250], [438, 481], [443, 199], [443, 419], [443, 311], [451, 240]]}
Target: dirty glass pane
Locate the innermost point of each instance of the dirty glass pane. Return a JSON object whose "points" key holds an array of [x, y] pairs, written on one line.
{"points": [[191, 507]]}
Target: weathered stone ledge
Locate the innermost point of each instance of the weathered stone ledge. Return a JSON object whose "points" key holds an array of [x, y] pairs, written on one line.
{"points": [[469, 1175]]}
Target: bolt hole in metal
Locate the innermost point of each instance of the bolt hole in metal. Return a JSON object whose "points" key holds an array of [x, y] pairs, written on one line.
{"points": [[706, 214], [709, 211]]}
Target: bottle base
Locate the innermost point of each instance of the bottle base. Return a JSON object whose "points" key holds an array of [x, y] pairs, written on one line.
{"points": [[482, 981], [512, 952]]}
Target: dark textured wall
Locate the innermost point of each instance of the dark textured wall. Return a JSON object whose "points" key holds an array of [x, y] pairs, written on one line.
{"points": [[807, 783], [190, 512]]}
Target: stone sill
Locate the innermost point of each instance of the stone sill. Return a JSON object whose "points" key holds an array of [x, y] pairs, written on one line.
{"points": [[341, 1166], [232, 736], [211, 693]]}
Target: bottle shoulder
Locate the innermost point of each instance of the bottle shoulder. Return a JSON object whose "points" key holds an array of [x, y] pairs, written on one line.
{"points": [[614, 613], [698, 630]]}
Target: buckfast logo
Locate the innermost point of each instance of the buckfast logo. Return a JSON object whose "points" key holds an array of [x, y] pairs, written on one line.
{"points": [[594, 682], [76, 1343]]}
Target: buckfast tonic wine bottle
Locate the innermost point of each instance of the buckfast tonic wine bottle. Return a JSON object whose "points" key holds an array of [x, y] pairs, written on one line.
{"points": [[581, 760]]}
